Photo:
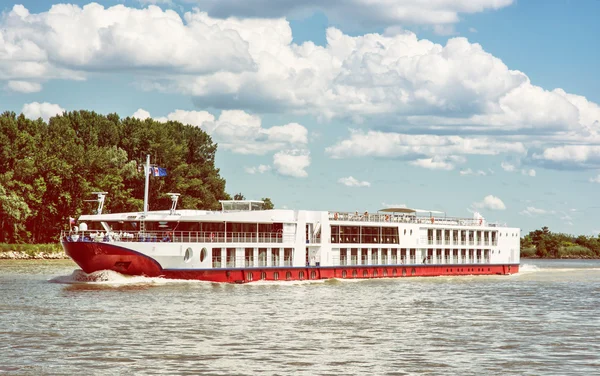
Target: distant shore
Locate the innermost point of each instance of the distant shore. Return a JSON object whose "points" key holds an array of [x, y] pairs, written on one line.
{"points": [[12, 255], [32, 252], [562, 257]]}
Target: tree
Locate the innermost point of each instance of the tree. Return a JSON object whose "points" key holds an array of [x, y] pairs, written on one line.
{"points": [[239, 196], [540, 249], [47, 170], [268, 204]]}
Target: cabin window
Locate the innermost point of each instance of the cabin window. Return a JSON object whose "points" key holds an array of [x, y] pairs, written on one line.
{"points": [[125, 226], [370, 234], [344, 256], [354, 256], [160, 226], [349, 234], [189, 254], [274, 256], [287, 256], [335, 234], [249, 257], [389, 235], [262, 257], [203, 254], [230, 257], [216, 257]]}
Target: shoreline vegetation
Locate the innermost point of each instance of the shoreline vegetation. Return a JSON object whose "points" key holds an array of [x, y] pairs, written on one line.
{"points": [[545, 244], [32, 252]]}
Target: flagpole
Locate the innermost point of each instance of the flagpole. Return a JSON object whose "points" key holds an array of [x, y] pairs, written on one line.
{"points": [[147, 172]]}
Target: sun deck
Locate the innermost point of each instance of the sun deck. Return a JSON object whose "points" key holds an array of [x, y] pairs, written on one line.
{"points": [[406, 215]]}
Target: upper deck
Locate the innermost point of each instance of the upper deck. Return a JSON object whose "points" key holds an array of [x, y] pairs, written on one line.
{"points": [[406, 215]]}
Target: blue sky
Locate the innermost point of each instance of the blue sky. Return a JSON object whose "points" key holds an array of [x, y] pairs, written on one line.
{"points": [[464, 106]]}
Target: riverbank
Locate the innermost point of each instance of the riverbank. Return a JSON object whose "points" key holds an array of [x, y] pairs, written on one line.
{"points": [[32, 252]]}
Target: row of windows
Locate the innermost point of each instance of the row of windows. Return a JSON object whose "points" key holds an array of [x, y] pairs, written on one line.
{"points": [[231, 259], [364, 234], [355, 273], [288, 275]]}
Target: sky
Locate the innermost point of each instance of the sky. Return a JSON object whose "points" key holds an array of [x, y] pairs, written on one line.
{"points": [[462, 106]]}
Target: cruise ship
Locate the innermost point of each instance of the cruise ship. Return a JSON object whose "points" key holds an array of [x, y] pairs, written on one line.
{"points": [[243, 243]]}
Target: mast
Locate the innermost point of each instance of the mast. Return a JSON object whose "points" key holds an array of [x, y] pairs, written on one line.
{"points": [[147, 171]]}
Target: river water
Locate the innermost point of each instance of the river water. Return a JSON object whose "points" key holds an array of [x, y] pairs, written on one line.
{"points": [[56, 320]]}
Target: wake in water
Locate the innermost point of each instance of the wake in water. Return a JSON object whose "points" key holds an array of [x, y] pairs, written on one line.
{"points": [[526, 268], [112, 278]]}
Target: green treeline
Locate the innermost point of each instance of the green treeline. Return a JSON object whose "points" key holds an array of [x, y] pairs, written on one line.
{"points": [[545, 244], [47, 170]]}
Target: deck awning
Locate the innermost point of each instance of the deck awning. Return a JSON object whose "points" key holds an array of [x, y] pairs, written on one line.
{"points": [[403, 210], [397, 210]]}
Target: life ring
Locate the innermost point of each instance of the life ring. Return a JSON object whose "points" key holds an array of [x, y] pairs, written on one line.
{"points": [[387, 218], [432, 220], [480, 221], [335, 216], [212, 237]]}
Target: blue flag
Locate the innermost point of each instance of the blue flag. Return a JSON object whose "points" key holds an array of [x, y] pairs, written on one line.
{"points": [[159, 171]]}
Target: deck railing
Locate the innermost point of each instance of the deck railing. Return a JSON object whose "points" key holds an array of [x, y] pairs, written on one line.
{"points": [[395, 218], [178, 236]]}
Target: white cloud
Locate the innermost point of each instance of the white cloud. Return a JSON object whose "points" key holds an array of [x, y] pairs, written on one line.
{"points": [[45, 110], [490, 202], [595, 179], [533, 211], [390, 78], [292, 163], [437, 163], [155, 2], [202, 119], [530, 172], [141, 114], [469, 171], [239, 131], [260, 169], [24, 86], [358, 12], [67, 40], [507, 166], [350, 181], [428, 151], [472, 30], [587, 156]]}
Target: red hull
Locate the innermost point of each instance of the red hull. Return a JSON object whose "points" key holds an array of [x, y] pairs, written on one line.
{"points": [[91, 257]]}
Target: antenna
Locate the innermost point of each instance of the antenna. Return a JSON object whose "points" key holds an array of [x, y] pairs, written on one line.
{"points": [[100, 200], [174, 198], [147, 173]]}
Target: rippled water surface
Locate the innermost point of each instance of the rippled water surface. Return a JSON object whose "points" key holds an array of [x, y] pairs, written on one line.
{"points": [[57, 320]]}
